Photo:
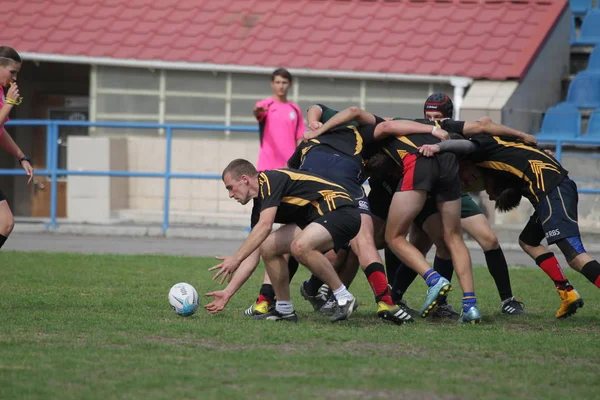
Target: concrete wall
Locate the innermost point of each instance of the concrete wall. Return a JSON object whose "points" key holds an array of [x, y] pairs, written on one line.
{"points": [[541, 88], [100, 199]]}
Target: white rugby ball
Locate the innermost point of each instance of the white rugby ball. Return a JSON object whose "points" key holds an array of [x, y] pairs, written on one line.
{"points": [[183, 299]]}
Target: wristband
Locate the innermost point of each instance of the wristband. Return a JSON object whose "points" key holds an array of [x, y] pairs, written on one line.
{"points": [[24, 158], [14, 102]]}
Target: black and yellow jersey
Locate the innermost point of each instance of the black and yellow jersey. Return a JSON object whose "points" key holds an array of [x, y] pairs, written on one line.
{"points": [[397, 147], [539, 170], [301, 196], [348, 140]]}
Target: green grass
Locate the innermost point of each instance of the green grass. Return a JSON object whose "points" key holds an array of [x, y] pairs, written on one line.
{"points": [[99, 327]]}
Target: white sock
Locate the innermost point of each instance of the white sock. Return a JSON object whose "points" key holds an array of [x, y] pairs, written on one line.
{"points": [[342, 294], [284, 307]]}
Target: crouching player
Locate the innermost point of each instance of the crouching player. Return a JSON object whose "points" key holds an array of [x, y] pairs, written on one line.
{"points": [[319, 215]]}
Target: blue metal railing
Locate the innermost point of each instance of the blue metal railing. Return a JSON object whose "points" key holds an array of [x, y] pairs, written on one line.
{"points": [[53, 171]]}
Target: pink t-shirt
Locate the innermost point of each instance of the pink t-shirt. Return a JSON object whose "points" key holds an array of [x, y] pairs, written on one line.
{"points": [[281, 126], [2, 100]]}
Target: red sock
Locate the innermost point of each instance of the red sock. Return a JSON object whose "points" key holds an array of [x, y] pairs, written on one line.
{"points": [[549, 264], [376, 276], [262, 298]]}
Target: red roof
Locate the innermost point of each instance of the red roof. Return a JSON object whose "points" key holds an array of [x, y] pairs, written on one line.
{"points": [[494, 39]]}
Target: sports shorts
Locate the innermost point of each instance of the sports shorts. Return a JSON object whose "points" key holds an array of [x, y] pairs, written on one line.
{"points": [[555, 216], [343, 224], [436, 175], [380, 197]]}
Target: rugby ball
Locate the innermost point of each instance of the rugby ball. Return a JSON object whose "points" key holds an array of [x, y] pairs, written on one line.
{"points": [[183, 299]]}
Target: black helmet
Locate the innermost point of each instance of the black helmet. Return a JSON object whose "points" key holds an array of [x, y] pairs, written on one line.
{"points": [[440, 102]]}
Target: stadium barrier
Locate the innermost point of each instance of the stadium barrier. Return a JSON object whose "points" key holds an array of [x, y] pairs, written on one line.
{"points": [[51, 170]]}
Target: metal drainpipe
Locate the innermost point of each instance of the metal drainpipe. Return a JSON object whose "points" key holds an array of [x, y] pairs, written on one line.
{"points": [[459, 93]]}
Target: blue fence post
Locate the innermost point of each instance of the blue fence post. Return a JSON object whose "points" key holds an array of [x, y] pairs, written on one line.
{"points": [[169, 138], [558, 154], [53, 167]]}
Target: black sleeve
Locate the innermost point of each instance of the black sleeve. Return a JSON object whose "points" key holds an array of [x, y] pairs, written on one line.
{"points": [[296, 158], [271, 186], [255, 216], [378, 119], [367, 132], [453, 126]]}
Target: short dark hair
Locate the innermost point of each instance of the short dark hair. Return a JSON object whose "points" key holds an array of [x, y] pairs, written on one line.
{"points": [[7, 54], [239, 167], [282, 72]]}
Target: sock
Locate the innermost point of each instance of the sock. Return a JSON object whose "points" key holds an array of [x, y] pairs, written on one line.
{"points": [[549, 264], [2, 240], [284, 307], [312, 285], [468, 300], [266, 293], [376, 276], [591, 271], [431, 277], [392, 264], [292, 267], [404, 278], [342, 293], [443, 267], [498, 268]]}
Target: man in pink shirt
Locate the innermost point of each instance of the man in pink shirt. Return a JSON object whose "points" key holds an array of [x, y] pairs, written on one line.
{"points": [[281, 128], [281, 124]]}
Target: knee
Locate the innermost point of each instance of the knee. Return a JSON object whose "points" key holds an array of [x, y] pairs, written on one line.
{"points": [[489, 241], [267, 250], [299, 250], [7, 224]]}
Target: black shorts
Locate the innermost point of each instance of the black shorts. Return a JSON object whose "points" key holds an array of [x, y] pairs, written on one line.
{"points": [[2, 196], [555, 216], [341, 169], [380, 197], [436, 175], [343, 224], [468, 208]]}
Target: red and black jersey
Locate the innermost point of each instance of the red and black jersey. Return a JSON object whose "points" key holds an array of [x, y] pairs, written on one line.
{"points": [[301, 197]]}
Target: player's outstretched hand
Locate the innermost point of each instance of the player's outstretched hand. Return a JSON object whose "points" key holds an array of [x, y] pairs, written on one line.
{"points": [[429, 150], [221, 298], [226, 268]]}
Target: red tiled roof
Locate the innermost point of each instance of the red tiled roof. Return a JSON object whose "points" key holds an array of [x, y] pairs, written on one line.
{"points": [[494, 39]]}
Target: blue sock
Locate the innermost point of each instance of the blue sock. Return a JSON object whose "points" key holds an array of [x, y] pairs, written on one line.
{"points": [[468, 300], [431, 277]]}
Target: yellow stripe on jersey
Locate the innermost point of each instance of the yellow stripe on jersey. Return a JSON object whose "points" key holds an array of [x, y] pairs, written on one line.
{"points": [[263, 179], [407, 141], [525, 147], [314, 141], [359, 140], [297, 201], [386, 151], [317, 206], [302, 177], [538, 168], [500, 166]]}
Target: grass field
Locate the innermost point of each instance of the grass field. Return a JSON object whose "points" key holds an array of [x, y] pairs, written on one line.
{"points": [[100, 327]]}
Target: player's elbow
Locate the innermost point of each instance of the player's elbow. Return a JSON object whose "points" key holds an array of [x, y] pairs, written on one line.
{"points": [[354, 111]]}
